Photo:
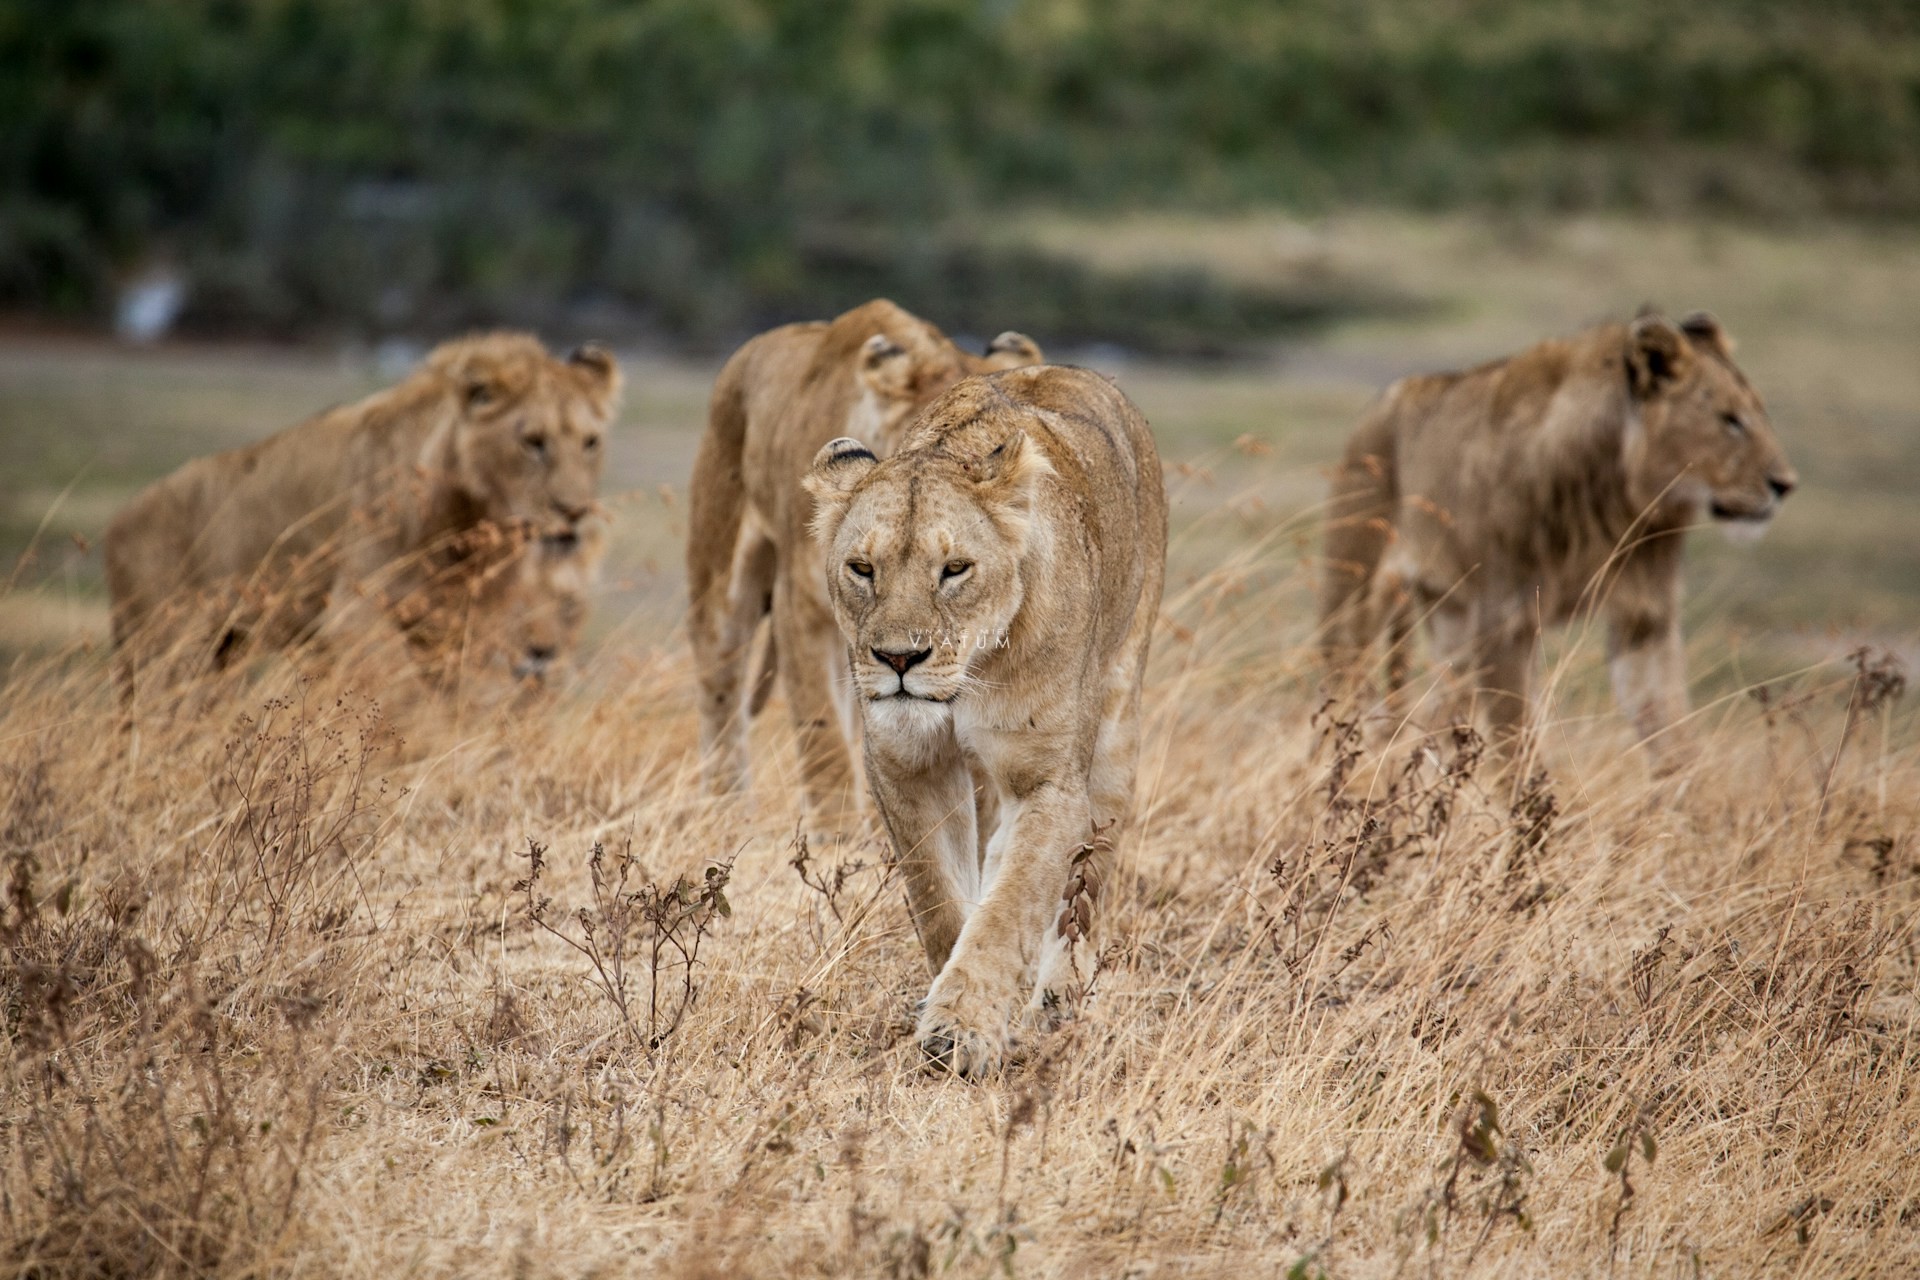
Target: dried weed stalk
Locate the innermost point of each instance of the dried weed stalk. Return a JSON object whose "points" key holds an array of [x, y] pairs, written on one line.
{"points": [[659, 928]]}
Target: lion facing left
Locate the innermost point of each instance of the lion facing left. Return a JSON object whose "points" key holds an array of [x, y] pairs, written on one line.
{"points": [[328, 527]]}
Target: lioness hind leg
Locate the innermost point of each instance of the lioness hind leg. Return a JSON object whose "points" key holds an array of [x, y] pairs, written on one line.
{"points": [[721, 629], [1505, 680], [812, 656], [1069, 950]]}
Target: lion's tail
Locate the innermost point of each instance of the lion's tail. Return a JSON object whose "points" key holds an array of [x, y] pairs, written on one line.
{"points": [[1359, 529]]}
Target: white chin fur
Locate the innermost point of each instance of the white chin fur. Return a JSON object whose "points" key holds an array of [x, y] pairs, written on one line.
{"points": [[1743, 533], [907, 717]]}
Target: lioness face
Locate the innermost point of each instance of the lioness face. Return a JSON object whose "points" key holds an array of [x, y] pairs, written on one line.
{"points": [[1705, 440], [923, 563], [547, 607], [530, 439]]}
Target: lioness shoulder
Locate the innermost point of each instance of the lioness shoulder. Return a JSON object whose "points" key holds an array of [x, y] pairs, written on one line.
{"points": [[995, 583]]}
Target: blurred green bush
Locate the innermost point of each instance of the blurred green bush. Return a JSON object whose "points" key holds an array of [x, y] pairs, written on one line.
{"points": [[695, 167]]}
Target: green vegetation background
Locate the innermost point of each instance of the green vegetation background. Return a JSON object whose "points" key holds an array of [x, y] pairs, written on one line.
{"points": [[696, 168]]}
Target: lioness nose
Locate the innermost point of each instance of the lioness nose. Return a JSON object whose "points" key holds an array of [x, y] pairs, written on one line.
{"points": [[901, 662], [534, 663], [575, 512], [1782, 485]]}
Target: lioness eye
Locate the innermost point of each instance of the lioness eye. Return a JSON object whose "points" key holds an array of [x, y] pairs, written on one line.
{"points": [[592, 443], [535, 445], [860, 568], [954, 568], [1734, 424]]}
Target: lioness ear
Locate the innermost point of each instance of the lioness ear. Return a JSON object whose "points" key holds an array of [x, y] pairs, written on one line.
{"points": [[1706, 332], [603, 372], [883, 366], [836, 472], [1657, 355], [1005, 480], [478, 393], [1013, 350]]}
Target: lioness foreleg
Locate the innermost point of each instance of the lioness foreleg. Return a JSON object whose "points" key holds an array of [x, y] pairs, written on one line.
{"points": [[925, 794], [1505, 685], [967, 1024], [1646, 659], [1393, 606]]}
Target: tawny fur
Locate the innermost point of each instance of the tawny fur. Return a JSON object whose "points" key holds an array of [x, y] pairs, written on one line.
{"points": [[995, 582], [777, 400], [1516, 496], [515, 607], [328, 525]]}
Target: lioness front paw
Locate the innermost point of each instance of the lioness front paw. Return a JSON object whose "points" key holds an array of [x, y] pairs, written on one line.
{"points": [[965, 1029]]}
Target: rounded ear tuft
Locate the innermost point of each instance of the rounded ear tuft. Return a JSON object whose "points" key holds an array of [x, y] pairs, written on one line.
{"points": [[1015, 463], [1657, 355], [884, 369], [593, 356], [879, 349], [837, 470], [1005, 480], [1705, 330], [843, 449], [1013, 350], [599, 363]]}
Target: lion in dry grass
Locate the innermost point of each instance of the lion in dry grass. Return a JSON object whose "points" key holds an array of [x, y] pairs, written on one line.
{"points": [[777, 400], [326, 527], [1560, 481], [995, 583]]}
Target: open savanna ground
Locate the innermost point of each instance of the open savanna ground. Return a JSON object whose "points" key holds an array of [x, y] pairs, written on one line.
{"points": [[309, 973]]}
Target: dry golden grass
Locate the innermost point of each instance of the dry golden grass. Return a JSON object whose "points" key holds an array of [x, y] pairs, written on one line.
{"points": [[275, 1003]]}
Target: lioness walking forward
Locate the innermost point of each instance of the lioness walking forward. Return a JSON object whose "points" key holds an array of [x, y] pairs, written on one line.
{"points": [[996, 581], [1511, 497]]}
